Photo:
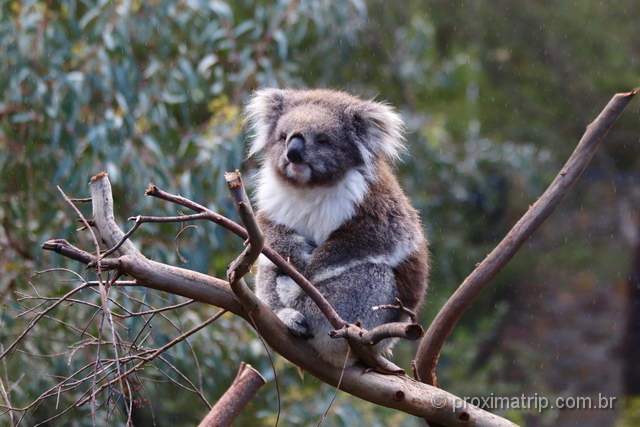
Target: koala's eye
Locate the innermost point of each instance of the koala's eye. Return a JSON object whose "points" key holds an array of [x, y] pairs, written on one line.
{"points": [[322, 139], [283, 137]]}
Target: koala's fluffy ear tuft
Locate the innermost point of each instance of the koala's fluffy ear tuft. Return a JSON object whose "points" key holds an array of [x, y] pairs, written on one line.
{"points": [[383, 128], [262, 112]]}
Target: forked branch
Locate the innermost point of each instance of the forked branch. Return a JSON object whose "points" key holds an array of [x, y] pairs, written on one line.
{"points": [[400, 392], [446, 320]]}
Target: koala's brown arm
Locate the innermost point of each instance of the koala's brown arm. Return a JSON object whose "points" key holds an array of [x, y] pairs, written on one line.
{"points": [[285, 241]]}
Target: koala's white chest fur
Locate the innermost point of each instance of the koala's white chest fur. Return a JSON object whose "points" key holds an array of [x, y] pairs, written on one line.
{"points": [[312, 212]]}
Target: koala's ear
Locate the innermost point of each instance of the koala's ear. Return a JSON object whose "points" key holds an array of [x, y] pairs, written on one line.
{"points": [[383, 128], [262, 113]]}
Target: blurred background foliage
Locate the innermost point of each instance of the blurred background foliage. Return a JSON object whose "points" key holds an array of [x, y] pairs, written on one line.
{"points": [[495, 95]]}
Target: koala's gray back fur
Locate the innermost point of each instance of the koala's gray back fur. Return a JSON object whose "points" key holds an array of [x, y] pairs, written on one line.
{"points": [[337, 212]]}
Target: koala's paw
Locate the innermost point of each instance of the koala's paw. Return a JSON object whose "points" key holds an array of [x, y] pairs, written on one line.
{"points": [[309, 248], [295, 321], [306, 247], [287, 289]]}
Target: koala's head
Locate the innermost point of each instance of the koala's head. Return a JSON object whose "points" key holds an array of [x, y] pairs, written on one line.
{"points": [[314, 137]]}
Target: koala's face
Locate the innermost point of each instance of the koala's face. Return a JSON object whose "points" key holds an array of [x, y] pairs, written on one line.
{"points": [[315, 137], [313, 145]]}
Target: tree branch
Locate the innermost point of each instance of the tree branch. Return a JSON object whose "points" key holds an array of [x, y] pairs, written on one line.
{"points": [[255, 240], [399, 392], [444, 323], [284, 266], [102, 205], [246, 384]]}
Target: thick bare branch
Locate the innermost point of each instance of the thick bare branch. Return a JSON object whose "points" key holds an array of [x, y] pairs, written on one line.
{"points": [[102, 205], [244, 387], [399, 392], [445, 321], [65, 248]]}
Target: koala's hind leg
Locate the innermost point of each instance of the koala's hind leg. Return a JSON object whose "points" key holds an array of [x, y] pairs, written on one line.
{"points": [[352, 293], [277, 291], [274, 288]]}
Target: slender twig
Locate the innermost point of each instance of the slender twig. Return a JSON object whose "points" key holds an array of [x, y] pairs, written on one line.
{"points": [[175, 242], [444, 323], [122, 240], [53, 390], [36, 319], [87, 303], [4, 390], [400, 307], [333, 398], [160, 219], [157, 353], [178, 372], [117, 283]]}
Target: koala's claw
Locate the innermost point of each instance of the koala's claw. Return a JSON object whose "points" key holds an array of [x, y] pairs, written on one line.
{"points": [[296, 322]]}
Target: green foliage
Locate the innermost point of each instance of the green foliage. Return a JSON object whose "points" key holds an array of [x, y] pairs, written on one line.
{"points": [[631, 412]]}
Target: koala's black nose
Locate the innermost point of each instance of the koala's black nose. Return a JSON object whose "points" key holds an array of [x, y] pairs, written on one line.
{"points": [[295, 149]]}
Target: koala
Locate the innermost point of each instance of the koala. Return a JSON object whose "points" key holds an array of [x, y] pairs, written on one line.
{"points": [[329, 203]]}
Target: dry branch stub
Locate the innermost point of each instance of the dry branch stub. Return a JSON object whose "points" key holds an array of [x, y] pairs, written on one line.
{"points": [[244, 387]]}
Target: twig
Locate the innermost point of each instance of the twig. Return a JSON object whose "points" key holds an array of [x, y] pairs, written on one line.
{"points": [[246, 384], [193, 388], [40, 315], [284, 266], [156, 353], [400, 307], [4, 391], [122, 240], [159, 219], [333, 398], [442, 326], [121, 283]]}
